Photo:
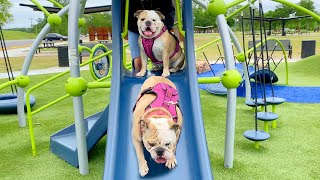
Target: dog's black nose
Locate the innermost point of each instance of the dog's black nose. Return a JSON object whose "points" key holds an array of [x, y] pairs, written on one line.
{"points": [[159, 151], [148, 23]]}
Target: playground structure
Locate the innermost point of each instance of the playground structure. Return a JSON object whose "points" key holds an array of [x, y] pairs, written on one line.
{"points": [[124, 81]]}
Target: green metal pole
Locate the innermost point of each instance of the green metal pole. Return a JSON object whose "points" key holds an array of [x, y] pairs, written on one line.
{"points": [[40, 7], [31, 131], [87, 49], [56, 3], [9, 83], [234, 3], [274, 122], [206, 45], [94, 85], [178, 10], [125, 28], [208, 80], [266, 126], [256, 145], [314, 15], [239, 10]]}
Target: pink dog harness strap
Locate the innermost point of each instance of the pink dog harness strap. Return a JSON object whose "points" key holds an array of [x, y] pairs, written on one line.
{"points": [[166, 97], [148, 44]]}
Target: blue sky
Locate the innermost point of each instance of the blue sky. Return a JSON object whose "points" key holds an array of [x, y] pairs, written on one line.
{"points": [[24, 15]]}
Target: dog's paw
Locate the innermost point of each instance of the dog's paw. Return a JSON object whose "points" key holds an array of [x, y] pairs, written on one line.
{"points": [[141, 73], [171, 163], [165, 73], [143, 169]]}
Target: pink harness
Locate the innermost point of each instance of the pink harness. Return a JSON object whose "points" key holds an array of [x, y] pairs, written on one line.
{"points": [[148, 44], [166, 97]]}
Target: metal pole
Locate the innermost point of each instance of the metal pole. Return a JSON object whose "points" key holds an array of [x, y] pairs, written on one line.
{"points": [[24, 71], [231, 93], [244, 65], [80, 125]]}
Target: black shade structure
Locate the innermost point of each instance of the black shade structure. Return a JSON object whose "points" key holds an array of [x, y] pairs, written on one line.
{"points": [[283, 20]]}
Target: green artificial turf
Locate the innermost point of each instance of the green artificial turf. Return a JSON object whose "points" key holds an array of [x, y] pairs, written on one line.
{"points": [[305, 72], [292, 152]]}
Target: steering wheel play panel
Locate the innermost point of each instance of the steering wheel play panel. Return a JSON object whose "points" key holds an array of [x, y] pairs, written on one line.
{"points": [[101, 67]]}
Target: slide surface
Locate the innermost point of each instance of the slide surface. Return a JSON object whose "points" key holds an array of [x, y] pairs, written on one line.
{"points": [[192, 152], [193, 162]]}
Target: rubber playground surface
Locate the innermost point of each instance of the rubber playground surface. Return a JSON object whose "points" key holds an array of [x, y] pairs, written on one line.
{"points": [[295, 94]]}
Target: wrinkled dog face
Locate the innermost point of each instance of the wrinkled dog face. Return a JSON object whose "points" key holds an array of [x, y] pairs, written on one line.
{"points": [[159, 138], [149, 23]]}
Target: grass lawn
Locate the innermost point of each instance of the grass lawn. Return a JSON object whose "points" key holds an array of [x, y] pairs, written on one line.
{"points": [[302, 73], [17, 35], [292, 152], [38, 62]]}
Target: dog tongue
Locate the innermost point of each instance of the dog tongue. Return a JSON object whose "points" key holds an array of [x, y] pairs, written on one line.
{"points": [[147, 33], [160, 160]]}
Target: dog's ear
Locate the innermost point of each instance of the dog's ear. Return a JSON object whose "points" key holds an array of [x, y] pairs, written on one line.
{"points": [[174, 125], [137, 13], [143, 125], [176, 129], [162, 17]]}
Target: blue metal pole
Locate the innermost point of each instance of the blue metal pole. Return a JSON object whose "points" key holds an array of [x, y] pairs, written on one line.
{"points": [[74, 63]]}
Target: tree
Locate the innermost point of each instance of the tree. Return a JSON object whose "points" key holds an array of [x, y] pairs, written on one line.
{"points": [[202, 17], [285, 11], [5, 16], [98, 20], [308, 4]]}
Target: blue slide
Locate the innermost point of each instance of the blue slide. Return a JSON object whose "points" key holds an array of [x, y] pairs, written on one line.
{"points": [[192, 153]]}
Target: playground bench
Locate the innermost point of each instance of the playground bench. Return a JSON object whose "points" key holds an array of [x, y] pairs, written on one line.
{"points": [[303, 32], [273, 46], [275, 32], [45, 45], [103, 41]]}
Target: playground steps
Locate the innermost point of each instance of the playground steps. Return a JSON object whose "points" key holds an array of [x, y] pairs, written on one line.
{"points": [[64, 145]]}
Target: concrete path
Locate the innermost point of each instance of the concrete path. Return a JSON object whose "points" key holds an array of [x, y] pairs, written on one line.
{"points": [[12, 44]]}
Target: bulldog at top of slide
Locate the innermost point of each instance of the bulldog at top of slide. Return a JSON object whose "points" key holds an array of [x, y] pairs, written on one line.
{"points": [[157, 43], [157, 121]]}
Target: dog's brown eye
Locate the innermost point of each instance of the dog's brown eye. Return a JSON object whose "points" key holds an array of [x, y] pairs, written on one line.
{"points": [[167, 144], [151, 144], [153, 20], [142, 19]]}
